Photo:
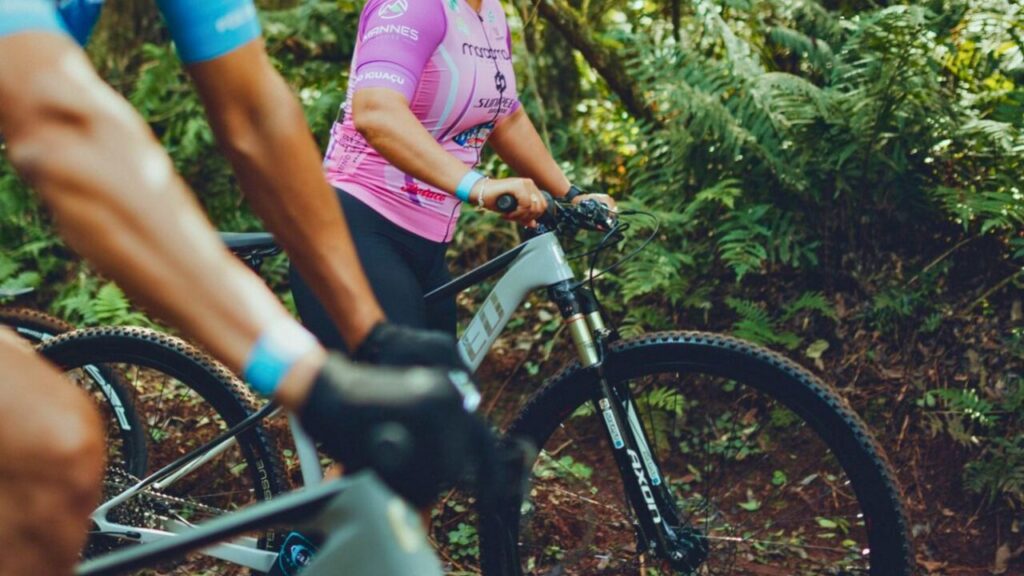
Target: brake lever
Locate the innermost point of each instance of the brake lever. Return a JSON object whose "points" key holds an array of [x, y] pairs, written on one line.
{"points": [[597, 215]]}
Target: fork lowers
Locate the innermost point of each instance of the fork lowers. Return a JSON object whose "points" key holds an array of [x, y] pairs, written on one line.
{"points": [[689, 549]]}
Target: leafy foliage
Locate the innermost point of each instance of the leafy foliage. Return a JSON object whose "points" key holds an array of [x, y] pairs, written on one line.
{"points": [[758, 325]]}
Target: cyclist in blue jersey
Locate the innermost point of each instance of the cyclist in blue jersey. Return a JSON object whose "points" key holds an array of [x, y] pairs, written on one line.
{"points": [[117, 201]]}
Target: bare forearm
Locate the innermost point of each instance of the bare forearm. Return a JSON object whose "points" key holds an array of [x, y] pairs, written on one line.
{"points": [[261, 125], [517, 142], [117, 201], [383, 117]]}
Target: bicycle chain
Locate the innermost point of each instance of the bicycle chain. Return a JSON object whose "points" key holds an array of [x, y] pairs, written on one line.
{"points": [[146, 509]]}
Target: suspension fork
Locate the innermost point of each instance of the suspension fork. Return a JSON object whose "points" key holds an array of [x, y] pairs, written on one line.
{"points": [[656, 515], [627, 408]]}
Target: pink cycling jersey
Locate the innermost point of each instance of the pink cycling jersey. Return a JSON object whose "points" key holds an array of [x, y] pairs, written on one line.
{"points": [[454, 66]]}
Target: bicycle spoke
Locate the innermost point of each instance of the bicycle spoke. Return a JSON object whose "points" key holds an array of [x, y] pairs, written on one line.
{"points": [[752, 498]]}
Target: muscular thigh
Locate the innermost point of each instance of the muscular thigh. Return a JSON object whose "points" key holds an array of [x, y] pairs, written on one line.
{"points": [[441, 315], [393, 279]]}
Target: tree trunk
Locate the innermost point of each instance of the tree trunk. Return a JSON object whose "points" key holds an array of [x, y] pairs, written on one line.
{"points": [[676, 20], [608, 64]]}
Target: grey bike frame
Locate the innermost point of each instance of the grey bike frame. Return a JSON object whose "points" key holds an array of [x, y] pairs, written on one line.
{"points": [[540, 263]]}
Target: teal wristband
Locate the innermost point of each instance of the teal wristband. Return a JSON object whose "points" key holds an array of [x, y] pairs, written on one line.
{"points": [[274, 354], [466, 185]]}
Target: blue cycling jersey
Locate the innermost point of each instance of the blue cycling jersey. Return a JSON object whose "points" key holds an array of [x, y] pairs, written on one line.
{"points": [[202, 29]]}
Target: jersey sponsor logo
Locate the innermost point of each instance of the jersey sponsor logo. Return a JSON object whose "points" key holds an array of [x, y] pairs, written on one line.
{"points": [[424, 192], [485, 52], [235, 19], [394, 30], [395, 9], [504, 103], [377, 75], [475, 137]]}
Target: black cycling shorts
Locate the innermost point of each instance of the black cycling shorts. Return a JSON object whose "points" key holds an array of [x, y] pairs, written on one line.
{"points": [[401, 267]]}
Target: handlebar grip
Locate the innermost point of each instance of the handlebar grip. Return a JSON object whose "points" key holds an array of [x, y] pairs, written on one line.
{"points": [[506, 204]]}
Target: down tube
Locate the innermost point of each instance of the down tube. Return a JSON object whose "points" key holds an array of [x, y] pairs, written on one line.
{"points": [[541, 264]]}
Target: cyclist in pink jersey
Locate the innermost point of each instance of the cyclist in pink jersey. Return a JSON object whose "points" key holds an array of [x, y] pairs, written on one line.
{"points": [[431, 82]]}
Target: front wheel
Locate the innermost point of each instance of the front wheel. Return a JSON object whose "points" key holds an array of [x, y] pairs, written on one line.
{"points": [[757, 454]]}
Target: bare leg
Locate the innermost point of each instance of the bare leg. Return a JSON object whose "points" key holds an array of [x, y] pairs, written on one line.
{"points": [[52, 464]]}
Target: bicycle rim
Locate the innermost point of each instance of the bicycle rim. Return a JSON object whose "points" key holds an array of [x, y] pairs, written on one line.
{"points": [[185, 400], [756, 453]]}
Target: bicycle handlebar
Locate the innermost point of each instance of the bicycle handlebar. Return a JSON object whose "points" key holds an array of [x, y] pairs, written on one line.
{"points": [[588, 214]]}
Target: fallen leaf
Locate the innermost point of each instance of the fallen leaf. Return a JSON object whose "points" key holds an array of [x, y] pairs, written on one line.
{"points": [[931, 566], [1002, 561], [815, 350], [891, 374]]}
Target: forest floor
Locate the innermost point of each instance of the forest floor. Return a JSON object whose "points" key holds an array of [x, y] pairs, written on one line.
{"points": [[956, 532], [887, 376]]}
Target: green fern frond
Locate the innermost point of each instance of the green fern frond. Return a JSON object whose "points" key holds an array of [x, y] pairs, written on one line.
{"points": [[815, 51], [809, 302], [750, 311]]}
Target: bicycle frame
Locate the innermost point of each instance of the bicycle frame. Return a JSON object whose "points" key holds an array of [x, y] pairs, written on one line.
{"points": [[332, 506], [537, 263]]}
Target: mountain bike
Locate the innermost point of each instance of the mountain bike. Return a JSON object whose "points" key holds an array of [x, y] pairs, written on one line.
{"points": [[670, 453]]}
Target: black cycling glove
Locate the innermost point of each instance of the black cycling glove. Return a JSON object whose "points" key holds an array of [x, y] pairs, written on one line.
{"points": [[411, 426], [394, 345]]}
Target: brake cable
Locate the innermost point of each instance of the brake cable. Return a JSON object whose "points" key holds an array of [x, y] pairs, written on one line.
{"points": [[608, 241]]}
